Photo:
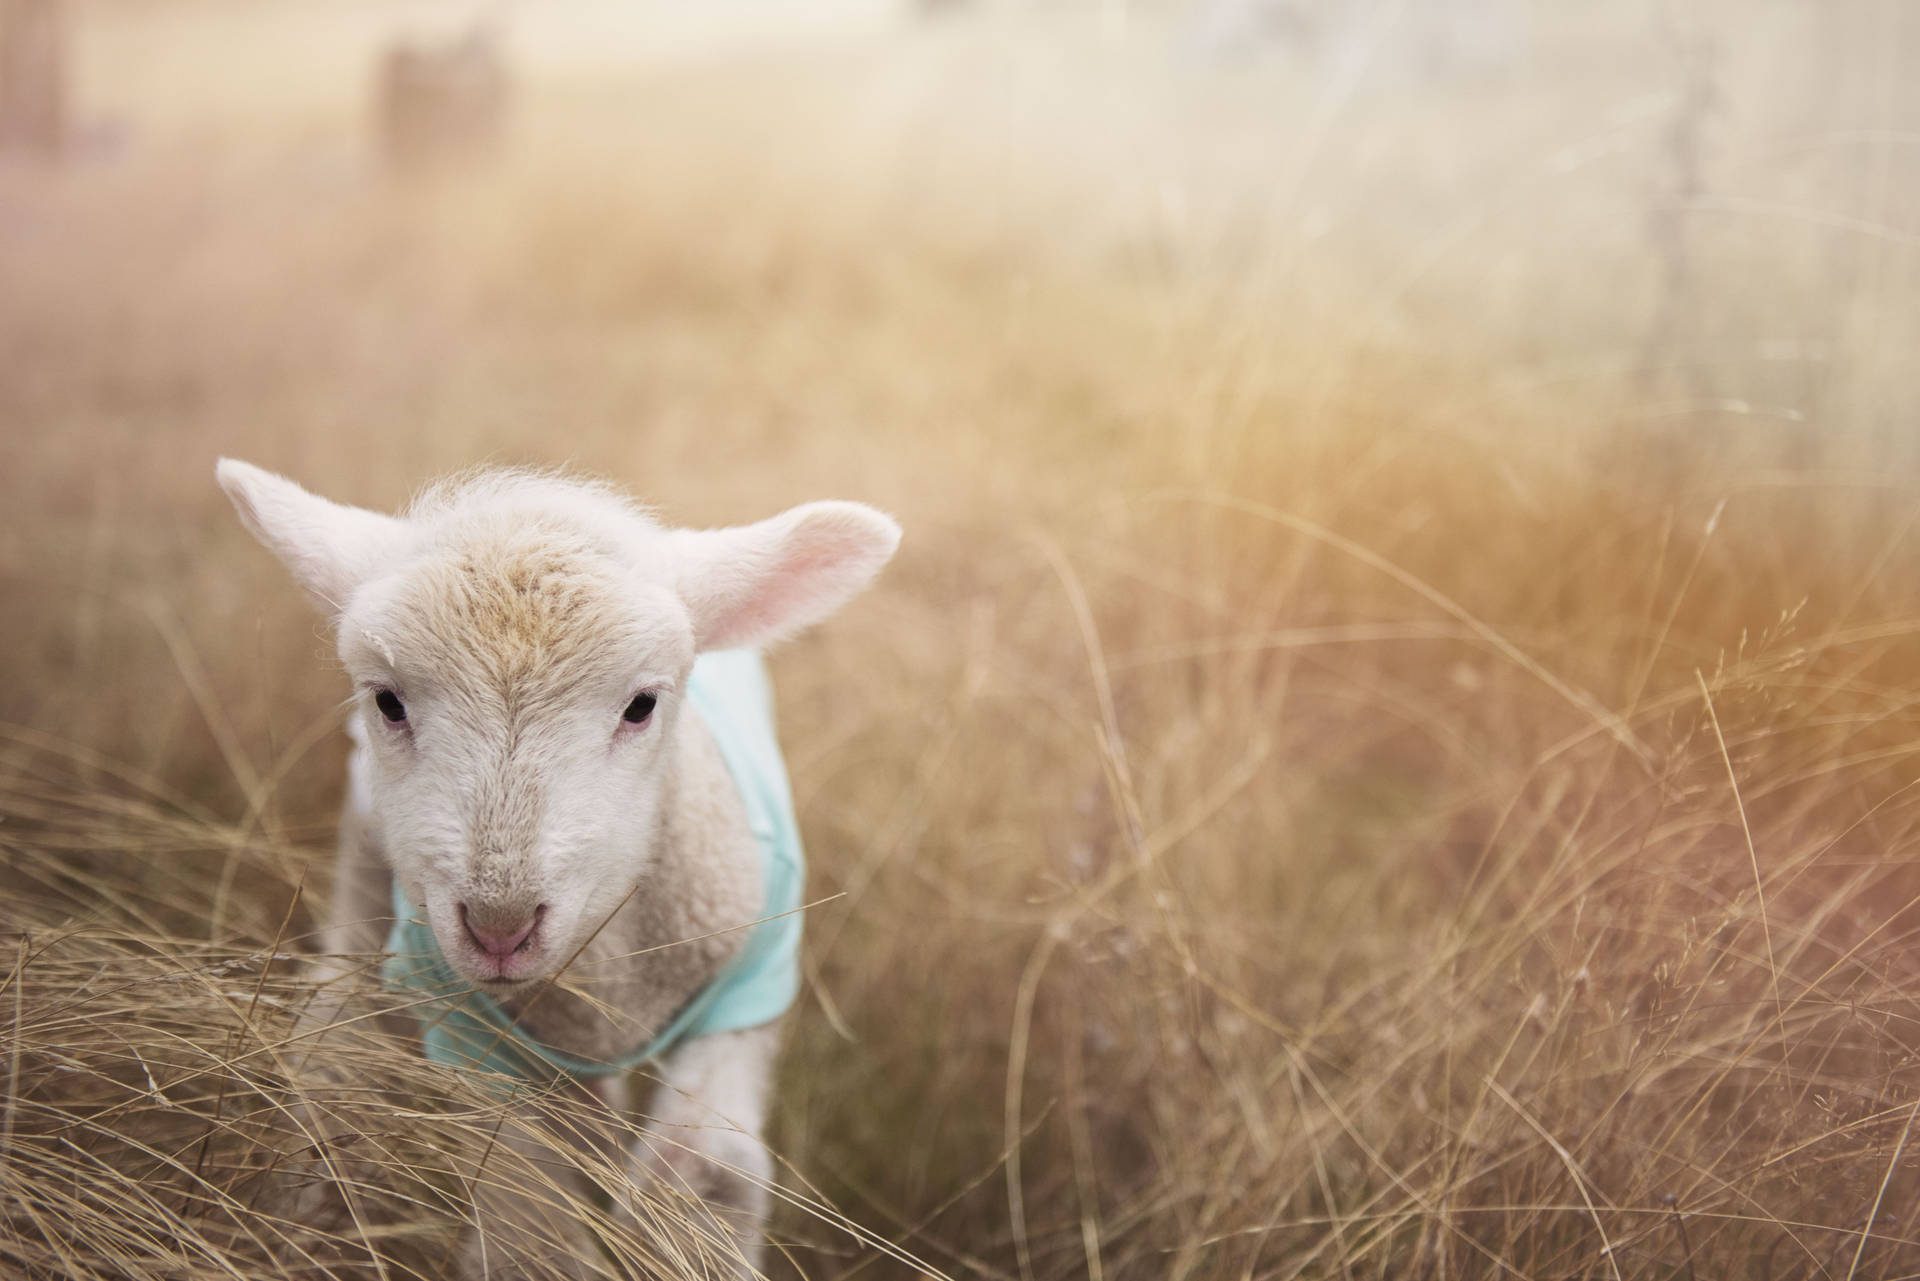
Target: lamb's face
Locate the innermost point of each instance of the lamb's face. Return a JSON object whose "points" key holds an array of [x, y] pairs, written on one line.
{"points": [[519, 644], [518, 691]]}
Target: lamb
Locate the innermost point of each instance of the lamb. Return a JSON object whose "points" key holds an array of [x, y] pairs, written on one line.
{"points": [[564, 760]]}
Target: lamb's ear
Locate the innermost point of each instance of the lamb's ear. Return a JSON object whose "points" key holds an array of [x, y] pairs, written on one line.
{"points": [[753, 584], [331, 549]]}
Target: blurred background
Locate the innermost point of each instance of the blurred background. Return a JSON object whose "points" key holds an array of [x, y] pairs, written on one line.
{"points": [[1386, 749]]}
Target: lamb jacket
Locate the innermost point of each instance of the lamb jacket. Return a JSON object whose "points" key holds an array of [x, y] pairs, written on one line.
{"points": [[463, 1026]]}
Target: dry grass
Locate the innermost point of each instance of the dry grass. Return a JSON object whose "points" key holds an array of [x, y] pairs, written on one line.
{"points": [[1388, 751]]}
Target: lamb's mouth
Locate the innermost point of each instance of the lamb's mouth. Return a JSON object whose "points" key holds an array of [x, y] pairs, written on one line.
{"points": [[488, 977], [497, 982]]}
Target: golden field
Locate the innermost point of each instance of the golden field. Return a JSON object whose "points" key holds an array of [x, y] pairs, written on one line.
{"points": [[1388, 750]]}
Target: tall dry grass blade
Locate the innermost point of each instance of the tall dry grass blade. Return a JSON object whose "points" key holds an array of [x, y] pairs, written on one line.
{"points": [[18, 1039], [1573, 1169], [1016, 1079], [1753, 854], [1893, 1163]]}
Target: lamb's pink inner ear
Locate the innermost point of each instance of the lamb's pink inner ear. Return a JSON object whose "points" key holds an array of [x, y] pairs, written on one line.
{"points": [[754, 584], [329, 548]]}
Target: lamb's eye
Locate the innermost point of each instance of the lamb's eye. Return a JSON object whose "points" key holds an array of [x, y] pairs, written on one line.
{"points": [[390, 705], [639, 709]]}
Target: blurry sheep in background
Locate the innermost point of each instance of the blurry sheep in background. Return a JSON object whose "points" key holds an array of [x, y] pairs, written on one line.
{"points": [[34, 83], [441, 102]]}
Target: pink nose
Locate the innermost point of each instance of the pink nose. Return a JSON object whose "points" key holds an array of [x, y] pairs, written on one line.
{"points": [[501, 941]]}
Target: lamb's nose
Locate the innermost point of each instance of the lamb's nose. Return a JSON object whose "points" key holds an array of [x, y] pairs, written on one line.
{"points": [[496, 936]]}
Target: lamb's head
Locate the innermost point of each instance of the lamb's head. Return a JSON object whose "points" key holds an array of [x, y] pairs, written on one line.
{"points": [[519, 645]]}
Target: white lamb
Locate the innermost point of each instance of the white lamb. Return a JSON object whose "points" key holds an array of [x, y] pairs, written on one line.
{"points": [[565, 760]]}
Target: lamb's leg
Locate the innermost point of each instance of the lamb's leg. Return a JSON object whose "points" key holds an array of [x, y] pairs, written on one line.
{"points": [[358, 917], [701, 1146], [360, 912], [355, 925], [526, 1207]]}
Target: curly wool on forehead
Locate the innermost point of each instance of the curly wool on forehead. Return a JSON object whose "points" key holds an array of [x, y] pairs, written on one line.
{"points": [[503, 495]]}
